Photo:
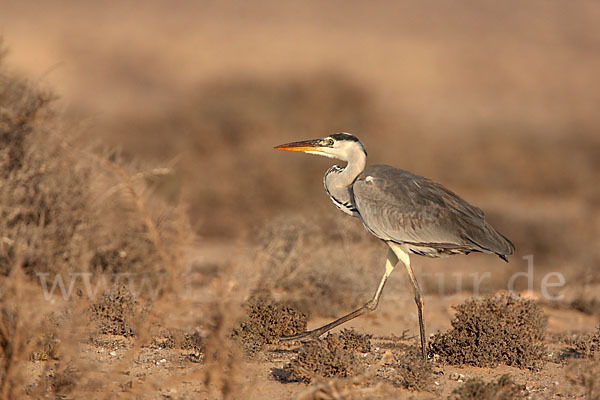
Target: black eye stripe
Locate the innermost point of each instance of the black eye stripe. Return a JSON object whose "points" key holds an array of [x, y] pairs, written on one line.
{"points": [[345, 136]]}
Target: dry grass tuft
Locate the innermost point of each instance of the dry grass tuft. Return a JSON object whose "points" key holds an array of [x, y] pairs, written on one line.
{"points": [[500, 328], [502, 388]]}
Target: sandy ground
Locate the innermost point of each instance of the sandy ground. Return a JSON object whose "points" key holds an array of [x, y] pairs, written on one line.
{"points": [[155, 371], [171, 373], [498, 102]]}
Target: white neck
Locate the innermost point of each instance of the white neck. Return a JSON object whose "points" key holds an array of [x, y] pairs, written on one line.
{"points": [[338, 182], [356, 164]]}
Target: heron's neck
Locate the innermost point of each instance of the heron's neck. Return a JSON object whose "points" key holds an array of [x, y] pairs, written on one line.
{"points": [[338, 183], [356, 165]]}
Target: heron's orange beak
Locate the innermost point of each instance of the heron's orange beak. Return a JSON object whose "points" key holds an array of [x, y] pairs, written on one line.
{"points": [[306, 145]]}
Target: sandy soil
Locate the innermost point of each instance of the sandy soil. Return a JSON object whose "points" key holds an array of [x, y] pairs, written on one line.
{"points": [[498, 102], [158, 366], [169, 373]]}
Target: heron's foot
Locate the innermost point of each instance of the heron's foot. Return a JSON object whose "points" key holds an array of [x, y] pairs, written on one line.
{"points": [[306, 335]]}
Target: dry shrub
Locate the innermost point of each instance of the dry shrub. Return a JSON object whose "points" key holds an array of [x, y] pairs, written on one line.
{"points": [[28, 332], [350, 340], [118, 312], [502, 388], [70, 214], [47, 345], [499, 328], [522, 163], [172, 338], [586, 305], [43, 193], [266, 322], [348, 388], [589, 345], [17, 325], [580, 295], [66, 210], [221, 359], [406, 368], [585, 374], [63, 381], [333, 356], [320, 273], [222, 131]]}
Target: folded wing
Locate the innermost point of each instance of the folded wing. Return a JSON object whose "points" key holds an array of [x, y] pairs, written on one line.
{"points": [[399, 206]]}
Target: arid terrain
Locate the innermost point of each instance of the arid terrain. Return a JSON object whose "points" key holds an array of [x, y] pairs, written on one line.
{"points": [[154, 245]]}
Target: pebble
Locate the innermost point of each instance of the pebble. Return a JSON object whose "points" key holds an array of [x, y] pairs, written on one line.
{"points": [[387, 357], [113, 353], [458, 377]]}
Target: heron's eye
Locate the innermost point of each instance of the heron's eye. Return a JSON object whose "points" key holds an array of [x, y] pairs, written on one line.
{"points": [[329, 142]]}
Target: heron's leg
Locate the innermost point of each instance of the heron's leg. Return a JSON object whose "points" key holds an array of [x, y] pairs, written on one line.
{"points": [[403, 256], [371, 305]]}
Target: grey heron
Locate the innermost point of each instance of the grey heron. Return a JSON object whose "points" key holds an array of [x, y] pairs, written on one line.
{"points": [[410, 213]]}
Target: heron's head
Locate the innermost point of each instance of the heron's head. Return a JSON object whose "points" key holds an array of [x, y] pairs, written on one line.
{"points": [[342, 146]]}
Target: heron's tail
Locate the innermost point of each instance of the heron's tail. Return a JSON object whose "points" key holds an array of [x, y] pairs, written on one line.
{"points": [[492, 241]]}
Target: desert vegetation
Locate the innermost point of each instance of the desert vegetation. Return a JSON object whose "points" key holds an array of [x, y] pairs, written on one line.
{"points": [[153, 245]]}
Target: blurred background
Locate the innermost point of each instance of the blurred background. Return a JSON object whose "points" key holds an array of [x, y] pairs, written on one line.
{"points": [[496, 100], [136, 140]]}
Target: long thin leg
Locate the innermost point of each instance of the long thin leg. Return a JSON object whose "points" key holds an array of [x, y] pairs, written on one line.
{"points": [[403, 256], [371, 305]]}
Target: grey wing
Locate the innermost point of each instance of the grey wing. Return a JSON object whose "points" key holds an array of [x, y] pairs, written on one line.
{"points": [[399, 206]]}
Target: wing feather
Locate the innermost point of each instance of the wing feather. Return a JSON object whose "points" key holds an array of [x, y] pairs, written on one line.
{"points": [[403, 207]]}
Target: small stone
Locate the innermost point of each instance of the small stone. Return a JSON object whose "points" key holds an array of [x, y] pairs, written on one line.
{"points": [[113, 353], [387, 357]]}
